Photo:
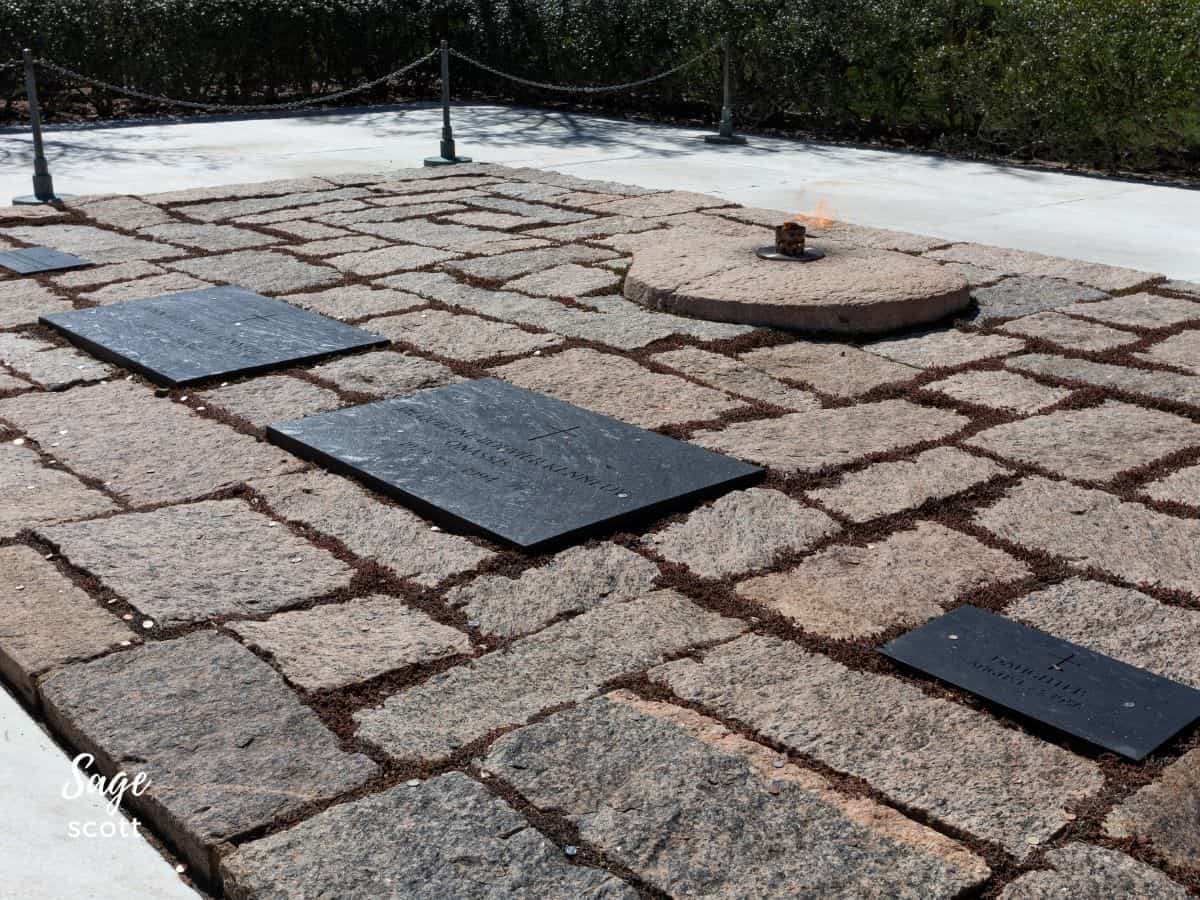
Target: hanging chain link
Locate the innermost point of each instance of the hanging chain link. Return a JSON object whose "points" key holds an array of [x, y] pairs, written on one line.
{"points": [[581, 89], [11, 64], [228, 107]]}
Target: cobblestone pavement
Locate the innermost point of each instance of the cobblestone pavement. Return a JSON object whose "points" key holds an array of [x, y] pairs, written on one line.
{"points": [[332, 697]]}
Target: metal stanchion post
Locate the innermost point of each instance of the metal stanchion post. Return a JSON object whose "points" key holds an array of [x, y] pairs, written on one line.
{"points": [[43, 184], [448, 157], [725, 134]]}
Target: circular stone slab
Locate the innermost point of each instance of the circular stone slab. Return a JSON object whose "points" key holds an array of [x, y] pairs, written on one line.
{"points": [[854, 290]]}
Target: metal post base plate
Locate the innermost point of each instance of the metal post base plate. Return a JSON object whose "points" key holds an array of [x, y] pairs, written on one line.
{"points": [[442, 161], [724, 139], [32, 200]]}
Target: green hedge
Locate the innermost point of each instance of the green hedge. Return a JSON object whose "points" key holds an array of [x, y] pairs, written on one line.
{"points": [[1111, 83]]}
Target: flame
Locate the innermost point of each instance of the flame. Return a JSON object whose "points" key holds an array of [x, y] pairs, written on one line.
{"points": [[819, 218]]}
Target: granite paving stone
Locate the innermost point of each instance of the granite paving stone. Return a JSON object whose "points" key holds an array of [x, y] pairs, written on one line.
{"points": [[592, 229], [1095, 443], [22, 300], [507, 266], [736, 377], [338, 644], [1070, 332], [611, 320], [1022, 295], [1023, 262], [1182, 486], [1160, 385], [568, 280], [696, 811], [1180, 350], [46, 621], [34, 493], [272, 398], [389, 259], [618, 387], [574, 581], [848, 591], [276, 188], [944, 349], [384, 373], [91, 243], [1119, 622], [146, 449], [423, 183], [265, 271], [484, 219], [1081, 870], [741, 531], [243, 207], [566, 662], [386, 209], [999, 390], [12, 383], [1163, 813], [1189, 288], [457, 238], [248, 564], [128, 213], [387, 534], [355, 301], [446, 837], [310, 231], [226, 746], [948, 761], [459, 336], [812, 441], [887, 488], [667, 203], [831, 368], [141, 288], [209, 237], [50, 365], [348, 243], [1139, 311], [94, 276], [1092, 528], [324, 212], [536, 213]]}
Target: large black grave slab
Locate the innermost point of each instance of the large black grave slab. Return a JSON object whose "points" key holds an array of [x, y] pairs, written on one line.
{"points": [[31, 260], [1070, 688], [527, 469], [179, 339]]}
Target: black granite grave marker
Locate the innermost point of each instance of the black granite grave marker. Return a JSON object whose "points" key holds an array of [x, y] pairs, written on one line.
{"points": [[32, 260], [522, 467], [179, 339], [1070, 688]]}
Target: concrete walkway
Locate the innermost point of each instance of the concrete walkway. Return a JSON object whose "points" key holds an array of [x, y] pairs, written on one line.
{"points": [[1096, 219], [69, 848]]}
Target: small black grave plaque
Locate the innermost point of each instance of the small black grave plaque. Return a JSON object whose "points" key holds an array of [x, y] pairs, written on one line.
{"points": [[32, 260], [1089, 695], [527, 469], [179, 339]]}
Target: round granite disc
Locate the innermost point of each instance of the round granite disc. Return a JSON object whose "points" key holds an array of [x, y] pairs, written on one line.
{"points": [[853, 290]]}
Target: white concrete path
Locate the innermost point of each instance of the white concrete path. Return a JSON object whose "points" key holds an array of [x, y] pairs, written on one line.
{"points": [[1110, 221], [41, 855]]}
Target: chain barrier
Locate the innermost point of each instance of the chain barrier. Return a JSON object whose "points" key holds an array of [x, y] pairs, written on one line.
{"points": [[580, 89], [10, 64], [231, 107]]}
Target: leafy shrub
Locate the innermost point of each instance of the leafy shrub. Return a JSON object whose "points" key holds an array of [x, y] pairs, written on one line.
{"points": [[1098, 82]]}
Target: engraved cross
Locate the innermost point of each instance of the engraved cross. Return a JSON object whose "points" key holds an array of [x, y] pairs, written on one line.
{"points": [[552, 433], [1058, 666]]}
